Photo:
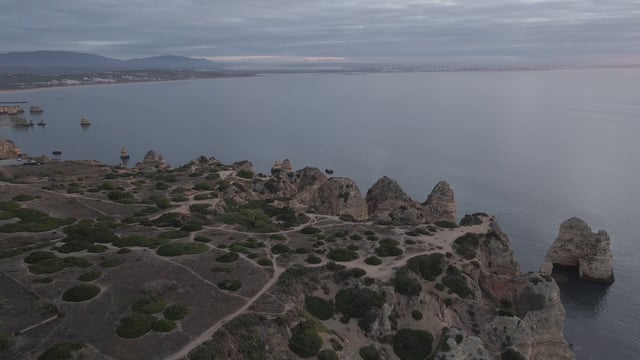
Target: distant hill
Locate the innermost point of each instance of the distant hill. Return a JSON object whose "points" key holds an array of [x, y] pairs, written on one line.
{"points": [[45, 61]]}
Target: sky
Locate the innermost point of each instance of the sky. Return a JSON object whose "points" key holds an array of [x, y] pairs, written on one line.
{"points": [[428, 32]]}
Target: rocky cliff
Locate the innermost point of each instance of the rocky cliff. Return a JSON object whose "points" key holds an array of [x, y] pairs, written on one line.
{"points": [[152, 161], [577, 246], [8, 149], [440, 204], [340, 196]]}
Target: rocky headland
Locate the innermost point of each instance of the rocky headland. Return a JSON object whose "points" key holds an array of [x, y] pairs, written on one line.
{"points": [[216, 261], [577, 246]]}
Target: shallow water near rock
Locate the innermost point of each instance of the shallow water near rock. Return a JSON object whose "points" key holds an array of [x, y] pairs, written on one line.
{"points": [[533, 148]]}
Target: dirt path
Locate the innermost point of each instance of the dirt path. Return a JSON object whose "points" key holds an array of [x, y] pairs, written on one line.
{"points": [[182, 354]]}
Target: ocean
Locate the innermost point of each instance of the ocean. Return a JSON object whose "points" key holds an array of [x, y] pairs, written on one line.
{"points": [[532, 147]]}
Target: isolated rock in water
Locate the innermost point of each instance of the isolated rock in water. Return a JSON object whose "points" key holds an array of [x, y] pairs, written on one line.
{"points": [[152, 160], [386, 195], [440, 204], [340, 196], [577, 246], [8, 149]]}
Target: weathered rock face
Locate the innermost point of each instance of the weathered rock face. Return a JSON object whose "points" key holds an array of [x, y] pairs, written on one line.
{"points": [[307, 181], [152, 161], [577, 246], [440, 204], [386, 195], [340, 196], [8, 149], [282, 166], [457, 345]]}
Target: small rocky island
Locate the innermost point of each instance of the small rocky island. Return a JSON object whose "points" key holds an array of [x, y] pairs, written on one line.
{"points": [[577, 246], [216, 261]]}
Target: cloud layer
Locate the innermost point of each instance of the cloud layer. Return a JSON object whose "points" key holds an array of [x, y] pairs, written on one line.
{"points": [[412, 31]]}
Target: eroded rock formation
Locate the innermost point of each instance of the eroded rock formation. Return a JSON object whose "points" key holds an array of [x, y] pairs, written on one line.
{"points": [[152, 161], [340, 196], [8, 149], [577, 246], [440, 204]]}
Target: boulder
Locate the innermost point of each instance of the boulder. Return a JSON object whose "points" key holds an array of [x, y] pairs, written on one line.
{"points": [[340, 196], [440, 204], [577, 246], [8, 149]]}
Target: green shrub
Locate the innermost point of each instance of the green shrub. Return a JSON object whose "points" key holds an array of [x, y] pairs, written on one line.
{"points": [[148, 305], [176, 312], [135, 325], [24, 197], [355, 302], [280, 249], [230, 284], [342, 255], [387, 251], [111, 262], [446, 224], [90, 276], [511, 354], [310, 230], [470, 220], [228, 257], [305, 341], [202, 239], [45, 280], [319, 307], [279, 237], [416, 315], [327, 354], [264, 262], [467, 245], [178, 249], [312, 259], [62, 351], [141, 241], [121, 196], [410, 344], [457, 283], [31, 220], [404, 284], [81, 293], [355, 237], [245, 174], [252, 220], [6, 342], [37, 256], [373, 260], [97, 248], [163, 325], [55, 264], [427, 266], [369, 352]]}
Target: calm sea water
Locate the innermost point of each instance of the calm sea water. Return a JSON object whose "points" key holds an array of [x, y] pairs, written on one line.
{"points": [[534, 148]]}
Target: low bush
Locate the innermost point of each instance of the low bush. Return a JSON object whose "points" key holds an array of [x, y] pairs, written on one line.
{"points": [[245, 174], [355, 302], [410, 344], [416, 315], [228, 257], [373, 260], [178, 249], [149, 305], [342, 255], [305, 341], [467, 245], [319, 307], [446, 224], [6, 342], [280, 249], [62, 351], [176, 312], [90, 276], [310, 230], [202, 239], [24, 197], [404, 284], [511, 354], [327, 354], [55, 264], [457, 283], [121, 196], [428, 266], [135, 325], [111, 262], [369, 352], [264, 262], [81, 293], [230, 284], [163, 325], [312, 259], [31, 220]]}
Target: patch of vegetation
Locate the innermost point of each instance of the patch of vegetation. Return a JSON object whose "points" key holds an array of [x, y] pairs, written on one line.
{"points": [[416, 315], [81, 293], [457, 282], [149, 305], [141, 241], [91, 231], [355, 237], [97, 249], [24, 197], [470, 220], [135, 325], [305, 341], [278, 237], [319, 307], [467, 245], [310, 230], [280, 249], [405, 284], [511, 354], [228, 257], [230, 284], [202, 239], [245, 174], [428, 266], [121, 196], [163, 325], [369, 352], [312, 259], [373, 260], [6, 341], [264, 262], [63, 351], [44, 280], [176, 312], [387, 250], [55, 264], [356, 302], [178, 249], [327, 354], [446, 224], [410, 344], [253, 220], [30, 220], [37, 256], [90, 276], [342, 255], [111, 262]]}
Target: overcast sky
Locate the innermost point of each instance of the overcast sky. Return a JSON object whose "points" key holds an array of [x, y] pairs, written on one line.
{"points": [[411, 31]]}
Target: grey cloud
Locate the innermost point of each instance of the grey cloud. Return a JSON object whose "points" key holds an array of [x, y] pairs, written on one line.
{"points": [[408, 31]]}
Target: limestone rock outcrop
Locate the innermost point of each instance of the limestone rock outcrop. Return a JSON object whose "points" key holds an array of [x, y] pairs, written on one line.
{"points": [[8, 149], [340, 196], [282, 166], [152, 161], [386, 195], [577, 246], [457, 345], [440, 204]]}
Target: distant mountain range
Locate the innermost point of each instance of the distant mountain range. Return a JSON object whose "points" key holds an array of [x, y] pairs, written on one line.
{"points": [[46, 61]]}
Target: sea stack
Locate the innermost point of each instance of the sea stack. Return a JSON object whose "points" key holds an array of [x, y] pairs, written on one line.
{"points": [[8, 149], [577, 246]]}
